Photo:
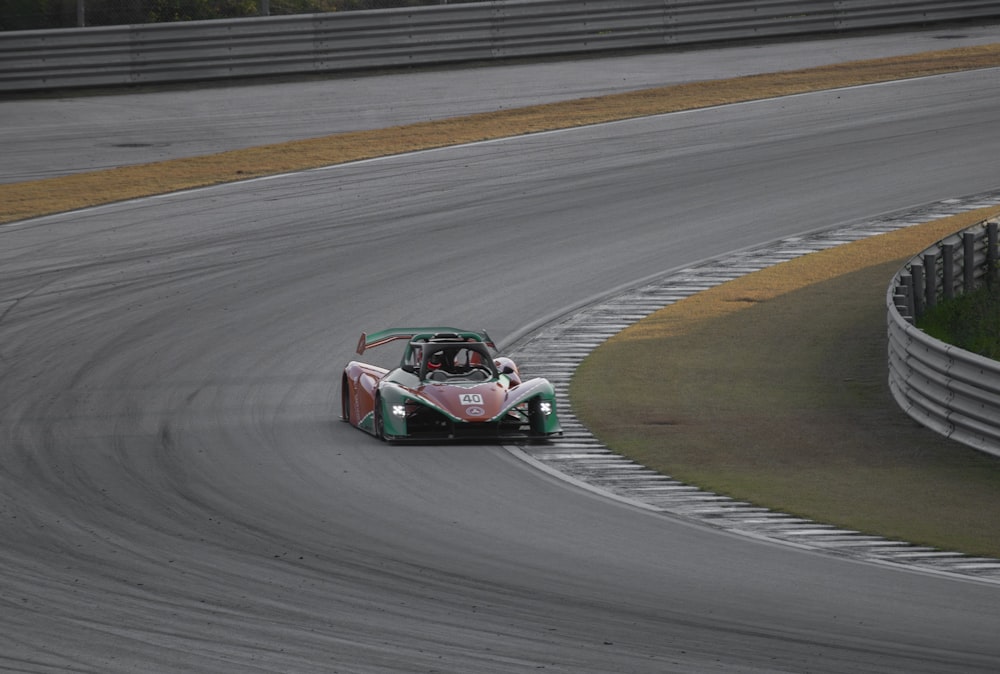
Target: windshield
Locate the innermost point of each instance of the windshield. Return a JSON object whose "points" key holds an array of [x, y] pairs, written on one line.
{"points": [[462, 362]]}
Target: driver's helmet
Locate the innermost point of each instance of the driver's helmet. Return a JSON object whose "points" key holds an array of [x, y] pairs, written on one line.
{"points": [[506, 366], [435, 362]]}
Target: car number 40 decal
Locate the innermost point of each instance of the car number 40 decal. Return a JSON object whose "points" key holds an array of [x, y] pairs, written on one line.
{"points": [[471, 399]]}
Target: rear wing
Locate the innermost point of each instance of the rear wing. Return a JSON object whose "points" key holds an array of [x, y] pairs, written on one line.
{"points": [[392, 334]]}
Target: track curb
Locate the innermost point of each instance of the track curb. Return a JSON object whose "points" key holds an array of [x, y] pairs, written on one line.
{"points": [[557, 348]]}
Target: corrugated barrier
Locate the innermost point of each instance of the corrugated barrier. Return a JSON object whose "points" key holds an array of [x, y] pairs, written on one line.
{"points": [[947, 389], [438, 34]]}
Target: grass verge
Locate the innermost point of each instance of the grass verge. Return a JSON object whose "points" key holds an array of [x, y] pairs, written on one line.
{"points": [[65, 193], [970, 321], [772, 388]]}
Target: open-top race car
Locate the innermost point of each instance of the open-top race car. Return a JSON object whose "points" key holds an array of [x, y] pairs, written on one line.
{"points": [[450, 385]]}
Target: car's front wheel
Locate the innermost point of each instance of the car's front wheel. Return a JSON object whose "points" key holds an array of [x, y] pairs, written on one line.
{"points": [[378, 423]]}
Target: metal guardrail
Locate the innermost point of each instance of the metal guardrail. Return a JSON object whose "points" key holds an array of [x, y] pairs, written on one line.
{"points": [[443, 34], [947, 389]]}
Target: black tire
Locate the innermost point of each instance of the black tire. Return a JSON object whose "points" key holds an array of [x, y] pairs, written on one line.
{"points": [[345, 401], [378, 425], [536, 420]]}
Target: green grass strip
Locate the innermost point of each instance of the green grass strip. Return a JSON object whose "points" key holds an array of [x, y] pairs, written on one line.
{"points": [[773, 388]]}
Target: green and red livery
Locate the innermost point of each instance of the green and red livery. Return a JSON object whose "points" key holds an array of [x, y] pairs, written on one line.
{"points": [[450, 385]]}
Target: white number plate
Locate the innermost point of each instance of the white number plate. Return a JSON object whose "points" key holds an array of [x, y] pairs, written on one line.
{"points": [[471, 399]]}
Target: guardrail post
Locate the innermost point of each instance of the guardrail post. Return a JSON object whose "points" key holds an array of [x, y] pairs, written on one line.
{"points": [[930, 279], [948, 269], [968, 262], [917, 270], [899, 299], [906, 285], [992, 254]]}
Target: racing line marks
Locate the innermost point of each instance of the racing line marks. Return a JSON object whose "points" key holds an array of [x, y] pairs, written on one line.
{"points": [[557, 349]]}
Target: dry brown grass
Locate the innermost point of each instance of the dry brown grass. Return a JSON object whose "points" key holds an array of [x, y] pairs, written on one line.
{"points": [[28, 199]]}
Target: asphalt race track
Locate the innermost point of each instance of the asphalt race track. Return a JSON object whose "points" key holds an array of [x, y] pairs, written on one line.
{"points": [[48, 136], [176, 494]]}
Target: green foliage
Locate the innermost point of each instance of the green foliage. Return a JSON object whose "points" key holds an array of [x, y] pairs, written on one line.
{"points": [[197, 10], [34, 14], [970, 322], [304, 6], [37, 14]]}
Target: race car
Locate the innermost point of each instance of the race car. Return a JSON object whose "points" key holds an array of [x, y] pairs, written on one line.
{"points": [[450, 385]]}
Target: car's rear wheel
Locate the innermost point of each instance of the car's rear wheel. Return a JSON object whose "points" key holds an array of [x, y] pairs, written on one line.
{"points": [[345, 400]]}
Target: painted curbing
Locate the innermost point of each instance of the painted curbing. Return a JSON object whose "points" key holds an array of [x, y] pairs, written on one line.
{"points": [[556, 349]]}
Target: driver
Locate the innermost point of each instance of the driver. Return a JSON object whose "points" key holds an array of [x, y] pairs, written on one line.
{"points": [[435, 362], [507, 368]]}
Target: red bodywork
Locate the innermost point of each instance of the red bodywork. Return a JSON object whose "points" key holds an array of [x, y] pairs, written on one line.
{"points": [[449, 385], [360, 384]]}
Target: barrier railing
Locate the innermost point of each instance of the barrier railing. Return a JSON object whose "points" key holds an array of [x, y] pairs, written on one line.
{"points": [[947, 389], [438, 34]]}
